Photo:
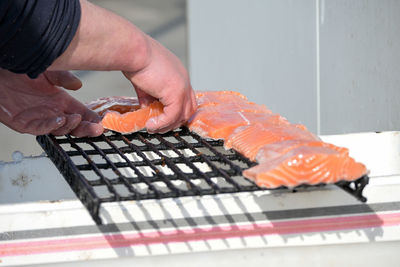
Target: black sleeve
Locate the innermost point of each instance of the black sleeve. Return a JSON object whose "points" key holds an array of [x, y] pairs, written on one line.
{"points": [[33, 33]]}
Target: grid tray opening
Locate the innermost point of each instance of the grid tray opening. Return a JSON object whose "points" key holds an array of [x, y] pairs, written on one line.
{"points": [[115, 167]]}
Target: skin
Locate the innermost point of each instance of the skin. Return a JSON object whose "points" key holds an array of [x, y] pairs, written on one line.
{"points": [[154, 71], [39, 106], [103, 41]]}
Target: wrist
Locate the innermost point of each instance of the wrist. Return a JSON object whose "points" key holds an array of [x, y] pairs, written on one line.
{"points": [[105, 41], [135, 54]]}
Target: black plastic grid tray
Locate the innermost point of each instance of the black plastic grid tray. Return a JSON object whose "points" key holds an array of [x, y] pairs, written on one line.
{"points": [[138, 166]]}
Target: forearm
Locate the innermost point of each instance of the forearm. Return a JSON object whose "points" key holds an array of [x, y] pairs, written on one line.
{"points": [[104, 41]]}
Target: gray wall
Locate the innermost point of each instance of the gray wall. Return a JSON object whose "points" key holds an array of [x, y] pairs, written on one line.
{"points": [[331, 65]]}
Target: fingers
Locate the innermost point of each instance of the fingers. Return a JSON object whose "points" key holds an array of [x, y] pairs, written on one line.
{"points": [[68, 124], [84, 122], [64, 79], [42, 120], [173, 116], [168, 120], [43, 126], [86, 128], [144, 98], [76, 107], [88, 125], [37, 106], [160, 124], [72, 121]]}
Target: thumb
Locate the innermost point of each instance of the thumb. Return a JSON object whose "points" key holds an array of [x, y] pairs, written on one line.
{"points": [[144, 98], [64, 79], [166, 121]]}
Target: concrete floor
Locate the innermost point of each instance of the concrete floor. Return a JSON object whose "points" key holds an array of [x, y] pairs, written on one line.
{"points": [[164, 20]]}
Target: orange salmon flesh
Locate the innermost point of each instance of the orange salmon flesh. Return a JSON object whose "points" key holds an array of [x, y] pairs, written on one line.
{"points": [[287, 154]]}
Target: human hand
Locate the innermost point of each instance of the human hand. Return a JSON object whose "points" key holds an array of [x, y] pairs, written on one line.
{"points": [[63, 79], [38, 106], [166, 79], [106, 41]]}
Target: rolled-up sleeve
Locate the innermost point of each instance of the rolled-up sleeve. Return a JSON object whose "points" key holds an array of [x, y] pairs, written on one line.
{"points": [[33, 33]]}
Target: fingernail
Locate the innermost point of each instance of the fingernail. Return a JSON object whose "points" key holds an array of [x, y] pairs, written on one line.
{"points": [[99, 131], [151, 122], [59, 120]]}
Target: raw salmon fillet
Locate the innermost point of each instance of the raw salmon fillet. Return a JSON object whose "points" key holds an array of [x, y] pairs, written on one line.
{"points": [[218, 122], [248, 140], [123, 114], [277, 149], [287, 154], [220, 113], [218, 97], [306, 165], [227, 100]]}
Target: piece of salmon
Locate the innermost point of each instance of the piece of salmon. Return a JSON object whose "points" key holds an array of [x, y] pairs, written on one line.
{"points": [[124, 114], [217, 97], [218, 122], [306, 165], [287, 154], [248, 140], [277, 149], [219, 125], [219, 113], [228, 101]]}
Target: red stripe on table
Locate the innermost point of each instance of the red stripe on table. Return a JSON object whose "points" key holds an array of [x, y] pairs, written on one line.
{"points": [[201, 233]]}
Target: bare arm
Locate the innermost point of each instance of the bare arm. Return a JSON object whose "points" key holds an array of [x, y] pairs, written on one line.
{"points": [[105, 41]]}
